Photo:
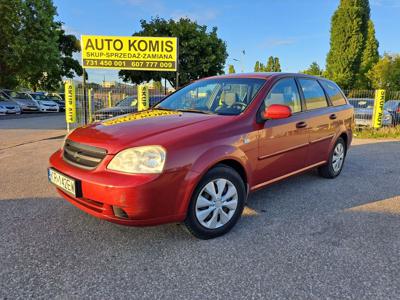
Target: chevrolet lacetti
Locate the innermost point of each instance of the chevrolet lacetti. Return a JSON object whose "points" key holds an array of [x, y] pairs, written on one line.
{"points": [[195, 156]]}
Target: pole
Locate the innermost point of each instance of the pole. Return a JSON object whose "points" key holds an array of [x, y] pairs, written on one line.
{"points": [[165, 86], [109, 99], [90, 104], [177, 64], [84, 98]]}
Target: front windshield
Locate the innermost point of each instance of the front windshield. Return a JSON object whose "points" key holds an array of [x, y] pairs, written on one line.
{"points": [[225, 96], [18, 95], [391, 105], [125, 102], [362, 103], [39, 97]]}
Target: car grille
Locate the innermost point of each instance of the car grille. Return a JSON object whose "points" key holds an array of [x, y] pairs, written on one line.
{"points": [[363, 116], [10, 107], [83, 156]]}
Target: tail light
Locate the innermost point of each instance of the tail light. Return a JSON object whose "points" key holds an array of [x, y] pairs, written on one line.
{"points": [[398, 109]]}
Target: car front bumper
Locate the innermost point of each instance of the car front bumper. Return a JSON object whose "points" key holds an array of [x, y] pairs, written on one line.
{"points": [[147, 199]]}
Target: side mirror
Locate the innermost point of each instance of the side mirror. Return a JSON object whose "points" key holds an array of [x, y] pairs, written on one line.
{"points": [[276, 111]]}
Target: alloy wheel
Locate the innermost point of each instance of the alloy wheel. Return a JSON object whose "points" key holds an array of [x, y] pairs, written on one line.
{"points": [[338, 157]]}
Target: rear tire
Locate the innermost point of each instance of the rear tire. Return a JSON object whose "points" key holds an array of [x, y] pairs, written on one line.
{"points": [[216, 204], [336, 160]]}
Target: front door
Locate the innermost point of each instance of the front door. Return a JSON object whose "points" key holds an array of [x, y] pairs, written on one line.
{"points": [[283, 143]]}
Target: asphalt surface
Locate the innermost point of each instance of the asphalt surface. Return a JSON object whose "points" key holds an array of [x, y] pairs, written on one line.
{"points": [[304, 238]]}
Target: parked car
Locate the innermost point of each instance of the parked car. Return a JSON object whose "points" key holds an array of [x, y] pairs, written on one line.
{"points": [[196, 155], [393, 107], [364, 110], [8, 107], [125, 106], [57, 99], [44, 104], [23, 100]]}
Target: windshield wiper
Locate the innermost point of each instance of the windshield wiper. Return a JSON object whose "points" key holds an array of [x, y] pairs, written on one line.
{"points": [[206, 112]]}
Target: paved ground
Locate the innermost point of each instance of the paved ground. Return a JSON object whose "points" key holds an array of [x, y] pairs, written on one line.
{"points": [[307, 238]]}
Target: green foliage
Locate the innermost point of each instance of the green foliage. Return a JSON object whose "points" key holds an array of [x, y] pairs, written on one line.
{"points": [[270, 64], [68, 44], [35, 52], [349, 31], [201, 53], [273, 65], [9, 26], [385, 73], [277, 65], [313, 69], [259, 67], [369, 58], [231, 69], [379, 133], [37, 43]]}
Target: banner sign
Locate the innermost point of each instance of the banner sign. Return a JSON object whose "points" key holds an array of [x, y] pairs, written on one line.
{"points": [[143, 97], [378, 108], [130, 53], [70, 102]]}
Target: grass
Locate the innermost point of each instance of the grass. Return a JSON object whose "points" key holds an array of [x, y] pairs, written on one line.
{"points": [[380, 133]]}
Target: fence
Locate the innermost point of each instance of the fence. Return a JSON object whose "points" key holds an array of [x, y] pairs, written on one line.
{"points": [[105, 103], [363, 102]]}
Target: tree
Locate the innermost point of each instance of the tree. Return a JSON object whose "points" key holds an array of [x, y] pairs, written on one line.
{"points": [[257, 67], [369, 58], [270, 64], [349, 27], [68, 44], [201, 53], [273, 65], [313, 69], [231, 69], [9, 26], [277, 65], [37, 43], [385, 74]]}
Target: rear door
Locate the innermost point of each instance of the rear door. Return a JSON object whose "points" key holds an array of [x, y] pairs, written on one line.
{"points": [[320, 118], [282, 143]]}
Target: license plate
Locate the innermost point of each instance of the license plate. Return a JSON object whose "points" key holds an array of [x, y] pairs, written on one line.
{"points": [[65, 183]]}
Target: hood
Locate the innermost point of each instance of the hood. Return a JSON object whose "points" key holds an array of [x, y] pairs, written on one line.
{"points": [[47, 102], [8, 103], [367, 111], [129, 130], [25, 101]]}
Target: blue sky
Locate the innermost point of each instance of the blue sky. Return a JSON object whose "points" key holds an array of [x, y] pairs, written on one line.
{"points": [[295, 31]]}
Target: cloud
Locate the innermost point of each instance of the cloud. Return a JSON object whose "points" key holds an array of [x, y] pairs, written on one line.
{"points": [[271, 43]]}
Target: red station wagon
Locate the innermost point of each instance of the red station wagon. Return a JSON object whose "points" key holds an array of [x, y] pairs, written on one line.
{"points": [[196, 156]]}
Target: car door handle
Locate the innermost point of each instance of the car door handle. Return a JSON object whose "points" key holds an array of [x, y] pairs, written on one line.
{"points": [[332, 117], [301, 124]]}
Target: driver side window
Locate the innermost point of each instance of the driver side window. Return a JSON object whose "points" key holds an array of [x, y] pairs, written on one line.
{"points": [[284, 92]]}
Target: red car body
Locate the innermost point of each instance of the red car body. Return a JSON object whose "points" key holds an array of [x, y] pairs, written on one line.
{"points": [[262, 153]]}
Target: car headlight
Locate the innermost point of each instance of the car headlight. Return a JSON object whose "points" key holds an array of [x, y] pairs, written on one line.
{"points": [[3, 107], [139, 160]]}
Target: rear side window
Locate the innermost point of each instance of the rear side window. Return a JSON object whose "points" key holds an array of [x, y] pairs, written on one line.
{"points": [[334, 93], [284, 92], [313, 94]]}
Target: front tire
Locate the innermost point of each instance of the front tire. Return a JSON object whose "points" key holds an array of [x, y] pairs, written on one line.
{"points": [[217, 203], [336, 160]]}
